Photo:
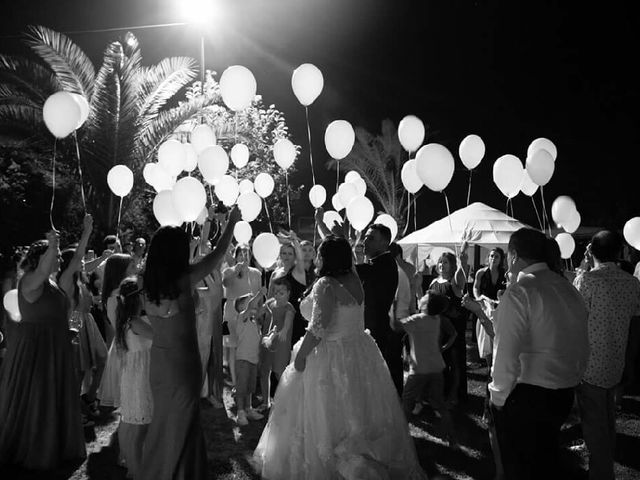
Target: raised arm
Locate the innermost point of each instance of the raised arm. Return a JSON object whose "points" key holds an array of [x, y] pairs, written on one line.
{"points": [[66, 277], [298, 269], [213, 260], [31, 283]]}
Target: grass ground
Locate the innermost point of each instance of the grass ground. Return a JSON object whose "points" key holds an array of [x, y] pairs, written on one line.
{"points": [[229, 447]]}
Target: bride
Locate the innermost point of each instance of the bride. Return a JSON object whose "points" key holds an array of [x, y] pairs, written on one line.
{"points": [[336, 413]]}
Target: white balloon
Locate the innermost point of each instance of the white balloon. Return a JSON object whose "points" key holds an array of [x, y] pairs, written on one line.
{"points": [[335, 201], [361, 186], [346, 193], [528, 186], [164, 210], [190, 157], [245, 185], [471, 151], [227, 190], [120, 180], [266, 249], [264, 184], [307, 83], [161, 179], [61, 114], [411, 133], [360, 213], [172, 157], [284, 153], [339, 138], [202, 137], [573, 223], [545, 144], [317, 196], [240, 155], [331, 218], [84, 108], [10, 303], [351, 176], [242, 232], [631, 232], [435, 165], [566, 243], [563, 209], [250, 205], [189, 198], [409, 177], [202, 217], [238, 87], [148, 172], [540, 167], [507, 175], [213, 163], [389, 222]]}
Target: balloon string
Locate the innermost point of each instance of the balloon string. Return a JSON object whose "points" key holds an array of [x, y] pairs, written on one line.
{"points": [[264, 201], [210, 195], [313, 175], [53, 184], [446, 199], [406, 225], [119, 213], [513, 215], [84, 202], [337, 175], [544, 211], [415, 213], [469, 189], [506, 207], [537, 214], [286, 179]]}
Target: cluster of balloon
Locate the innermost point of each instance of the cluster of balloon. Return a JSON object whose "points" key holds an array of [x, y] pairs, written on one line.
{"points": [[351, 195], [565, 213], [567, 244], [64, 112], [631, 232], [541, 157], [10, 303], [266, 249], [508, 174]]}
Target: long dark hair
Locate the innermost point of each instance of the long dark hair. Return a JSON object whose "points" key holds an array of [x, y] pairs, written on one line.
{"points": [[66, 257], [128, 307], [114, 272], [336, 255], [167, 263]]}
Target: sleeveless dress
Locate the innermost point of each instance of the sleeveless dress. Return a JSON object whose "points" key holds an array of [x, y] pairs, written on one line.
{"points": [[93, 351], [40, 423], [299, 322], [174, 447], [136, 404], [341, 417], [109, 391], [488, 288]]}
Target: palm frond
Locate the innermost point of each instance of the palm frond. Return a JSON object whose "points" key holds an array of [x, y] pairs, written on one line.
{"points": [[71, 65], [29, 76], [23, 122], [162, 81]]}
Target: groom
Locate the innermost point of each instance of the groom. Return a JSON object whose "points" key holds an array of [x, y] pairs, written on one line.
{"points": [[379, 282]]}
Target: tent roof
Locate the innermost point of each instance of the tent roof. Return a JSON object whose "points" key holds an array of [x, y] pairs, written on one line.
{"points": [[478, 223]]}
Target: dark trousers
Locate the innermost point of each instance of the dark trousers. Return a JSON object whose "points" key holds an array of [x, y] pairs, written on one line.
{"points": [[391, 348], [598, 415], [528, 430]]}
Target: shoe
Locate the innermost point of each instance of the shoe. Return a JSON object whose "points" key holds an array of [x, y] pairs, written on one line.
{"points": [[215, 402], [263, 407], [241, 419], [417, 409], [253, 415]]}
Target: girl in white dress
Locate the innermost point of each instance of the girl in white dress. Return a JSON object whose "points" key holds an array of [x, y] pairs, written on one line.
{"points": [[133, 340], [336, 412]]}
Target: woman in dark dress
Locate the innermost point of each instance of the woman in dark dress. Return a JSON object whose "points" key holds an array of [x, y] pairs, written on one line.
{"points": [[451, 282], [174, 447], [40, 421]]}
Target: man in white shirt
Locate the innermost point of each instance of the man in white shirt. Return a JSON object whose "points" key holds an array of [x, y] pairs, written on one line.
{"points": [[540, 353], [613, 298]]}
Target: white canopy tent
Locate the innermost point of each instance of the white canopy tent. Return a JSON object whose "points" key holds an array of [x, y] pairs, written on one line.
{"points": [[478, 223]]}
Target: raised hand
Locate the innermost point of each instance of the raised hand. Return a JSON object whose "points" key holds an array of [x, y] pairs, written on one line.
{"points": [[53, 237]]}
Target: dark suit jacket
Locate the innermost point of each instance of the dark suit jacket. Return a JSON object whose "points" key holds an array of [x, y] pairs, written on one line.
{"points": [[379, 282]]}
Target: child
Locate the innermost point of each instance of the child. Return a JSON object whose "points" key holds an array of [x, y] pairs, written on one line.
{"points": [[133, 340], [426, 362], [276, 350], [247, 354]]}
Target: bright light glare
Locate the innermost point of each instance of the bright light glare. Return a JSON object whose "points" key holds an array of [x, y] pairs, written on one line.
{"points": [[199, 11]]}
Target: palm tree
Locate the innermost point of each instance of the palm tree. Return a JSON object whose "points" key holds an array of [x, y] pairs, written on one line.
{"points": [[129, 115], [379, 159]]}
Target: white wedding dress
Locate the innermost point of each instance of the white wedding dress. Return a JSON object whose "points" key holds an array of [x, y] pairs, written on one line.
{"points": [[341, 417]]}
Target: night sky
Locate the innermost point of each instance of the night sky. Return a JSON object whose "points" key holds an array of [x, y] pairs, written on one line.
{"points": [[507, 72]]}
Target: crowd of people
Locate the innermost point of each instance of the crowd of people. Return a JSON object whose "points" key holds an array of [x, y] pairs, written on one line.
{"points": [[344, 346]]}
